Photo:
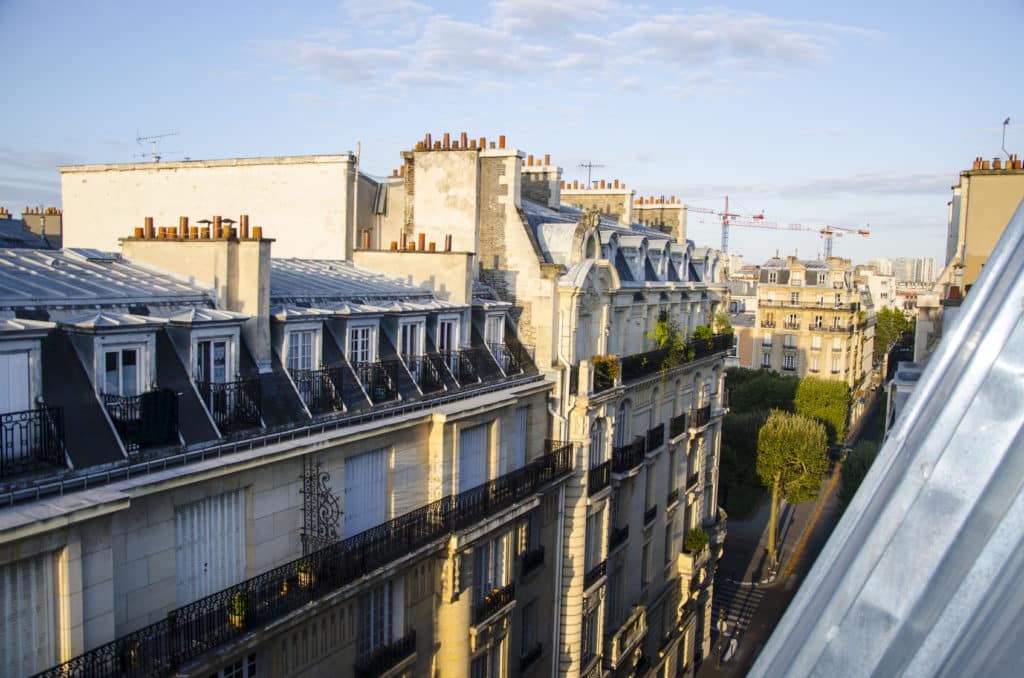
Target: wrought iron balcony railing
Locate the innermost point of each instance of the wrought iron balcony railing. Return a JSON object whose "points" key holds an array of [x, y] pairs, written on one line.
{"points": [[532, 655], [769, 324], [378, 380], [594, 574], [650, 514], [656, 437], [149, 418], [424, 371], [321, 390], [201, 626], [628, 457], [641, 365], [234, 405], [791, 326], [700, 416], [677, 426], [491, 603], [531, 560], [461, 367], [598, 478], [618, 537], [31, 439], [508, 360], [692, 480], [378, 661], [673, 496]]}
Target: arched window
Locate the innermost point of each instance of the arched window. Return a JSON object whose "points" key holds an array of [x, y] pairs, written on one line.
{"points": [[622, 424], [592, 249], [598, 436]]}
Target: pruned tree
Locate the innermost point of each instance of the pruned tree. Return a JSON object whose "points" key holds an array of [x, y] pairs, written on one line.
{"points": [[791, 459]]}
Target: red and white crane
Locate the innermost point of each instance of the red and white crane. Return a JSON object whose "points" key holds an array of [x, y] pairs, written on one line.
{"points": [[757, 221]]}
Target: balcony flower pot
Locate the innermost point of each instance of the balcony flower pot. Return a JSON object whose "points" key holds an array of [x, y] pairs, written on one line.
{"points": [[304, 570], [238, 609]]}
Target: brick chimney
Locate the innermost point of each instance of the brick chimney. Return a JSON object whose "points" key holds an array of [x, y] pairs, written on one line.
{"points": [[542, 182], [610, 198], [668, 216]]}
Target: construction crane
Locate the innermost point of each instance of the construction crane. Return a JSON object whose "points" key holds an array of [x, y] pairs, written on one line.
{"points": [[757, 221]]}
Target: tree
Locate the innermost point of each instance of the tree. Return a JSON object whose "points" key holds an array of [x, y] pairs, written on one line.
{"points": [[824, 400], [722, 323], [890, 325], [855, 468], [791, 460]]}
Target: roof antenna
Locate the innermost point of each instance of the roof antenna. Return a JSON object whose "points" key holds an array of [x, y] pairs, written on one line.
{"points": [[153, 141], [1005, 123], [589, 166]]}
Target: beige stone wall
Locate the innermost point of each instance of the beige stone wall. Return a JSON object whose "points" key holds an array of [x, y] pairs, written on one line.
{"points": [[616, 203], [989, 200], [668, 218], [448, 274], [446, 197], [305, 201]]}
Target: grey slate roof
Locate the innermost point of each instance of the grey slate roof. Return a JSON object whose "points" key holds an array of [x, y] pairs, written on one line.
{"points": [[14, 233], [326, 280]]}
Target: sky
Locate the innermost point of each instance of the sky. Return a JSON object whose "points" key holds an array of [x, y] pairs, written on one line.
{"points": [[848, 114]]}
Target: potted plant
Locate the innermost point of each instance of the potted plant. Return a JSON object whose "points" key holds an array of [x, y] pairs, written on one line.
{"points": [[305, 572], [238, 608], [606, 371], [695, 541]]}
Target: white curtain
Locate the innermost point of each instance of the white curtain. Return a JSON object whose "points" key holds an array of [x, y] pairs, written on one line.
{"points": [[28, 627], [366, 491], [210, 545], [473, 457]]}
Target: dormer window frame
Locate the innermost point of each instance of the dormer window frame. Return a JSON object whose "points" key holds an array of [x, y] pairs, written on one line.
{"points": [[363, 330], [773, 276], [229, 335], [294, 334], [456, 339], [144, 345], [32, 350], [420, 323]]}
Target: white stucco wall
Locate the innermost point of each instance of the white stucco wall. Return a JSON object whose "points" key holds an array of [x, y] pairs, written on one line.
{"points": [[446, 199], [301, 201]]}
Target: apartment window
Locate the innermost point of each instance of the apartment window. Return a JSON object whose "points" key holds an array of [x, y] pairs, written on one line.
{"points": [[789, 362], [490, 566], [366, 491], [243, 668], [766, 359], [773, 276], [590, 635], [488, 664], [837, 344], [839, 300], [794, 298], [362, 344], [819, 320], [494, 329], [835, 365], [210, 545], [301, 345], [769, 318], [376, 616], [527, 534], [473, 456], [815, 343], [822, 278], [622, 424], [814, 363], [650, 496], [766, 339], [820, 300], [410, 340], [669, 545], [789, 341], [597, 442], [792, 321], [519, 437], [835, 322], [646, 566], [14, 381], [528, 634], [211, 361], [28, 615], [121, 373], [447, 335], [594, 553]]}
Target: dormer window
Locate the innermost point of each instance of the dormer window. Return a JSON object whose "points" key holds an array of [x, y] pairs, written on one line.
{"points": [[121, 372], [362, 344], [301, 344], [410, 338], [211, 361], [773, 276]]}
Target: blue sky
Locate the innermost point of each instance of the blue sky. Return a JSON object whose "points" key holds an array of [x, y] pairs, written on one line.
{"points": [[837, 113]]}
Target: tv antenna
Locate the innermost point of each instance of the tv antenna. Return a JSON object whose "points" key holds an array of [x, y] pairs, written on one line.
{"points": [[589, 166], [152, 140], [1005, 123]]}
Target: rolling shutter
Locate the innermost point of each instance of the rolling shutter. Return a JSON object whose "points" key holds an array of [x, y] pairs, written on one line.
{"points": [[472, 457], [366, 491], [519, 439], [210, 545], [28, 627]]}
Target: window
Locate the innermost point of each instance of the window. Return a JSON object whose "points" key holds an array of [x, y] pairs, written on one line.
{"points": [[646, 566], [494, 329], [794, 298], [835, 365], [837, 344], [766, 359], [210, 545], [28, 615], [243, 668], [622, 424], [14, 381], [789, 362], [447, 335], [766, 339], [121, 372], [590, 635], [789, 341], [819, 320], [529, 628], [597, 443], [366, 491], [822, 277], [488, 664], [490, 566], [839, 300], [211, 361], [595, 540], [835, 322], [519, 437], [815, 343], [527, 534], [773, 276], [792, 321], [669, 546], [300, 350], [362, 346], [375, 618], [473, 456], [814, 363], [410, 340], [650, 496], [819, 300]]}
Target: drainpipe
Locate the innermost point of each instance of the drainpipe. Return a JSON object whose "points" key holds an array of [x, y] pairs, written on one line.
{"points": [[556, 631]]}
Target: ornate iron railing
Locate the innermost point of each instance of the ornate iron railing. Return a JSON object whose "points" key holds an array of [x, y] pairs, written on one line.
{"points": [[424, 372], [656, 437], [628, 457], [692, 480], [321, 390], [594, 574], [493, 602], [598, 478], [531, 560], [677, 425], [461, 367], [31, 439], [629, 634], [378, 380], [385, 657], [700, 416], [194, 629], [650, 514], [640, 365], [508, 360], [672, 497], [149, 418], [618, 536], [234, 405], [532, 655]]}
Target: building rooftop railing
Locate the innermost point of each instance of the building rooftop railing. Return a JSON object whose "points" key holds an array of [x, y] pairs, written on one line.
{"points": [[149, 418], [378, 380], [234, 405], [641, 365], [656, 437], [194, 629], [425, 370], [30, 440], [321, 389]]}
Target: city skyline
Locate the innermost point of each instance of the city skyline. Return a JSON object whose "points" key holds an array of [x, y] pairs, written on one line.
{"points": [[813, 114]]}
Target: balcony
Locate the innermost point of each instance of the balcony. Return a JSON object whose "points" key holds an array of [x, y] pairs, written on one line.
{"points": [[386, 657], [510, 361], [425, 371], [204, 625], [672, 497], [378, 380], [320, 389], [594, 575], [493, 603], [692, 481], [656, 437], [628, 636], [146, 419], [677, 426], [628, 457], [791, 325], [768, 324], [531, 560], [700, 416], [233, 405], [650, 514], [642, 365], [835, 329], [688, 564], [30, 440], [618, 537], [597, 478]]}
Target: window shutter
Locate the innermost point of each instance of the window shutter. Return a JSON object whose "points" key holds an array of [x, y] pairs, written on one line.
{"points": [[28, 625], [519, 439], [366, 499], [210, 545], [472, 457]]}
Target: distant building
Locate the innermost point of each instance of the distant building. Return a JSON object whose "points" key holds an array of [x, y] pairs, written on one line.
{"points": [[20, 232], [882, 288], [743, 316]]}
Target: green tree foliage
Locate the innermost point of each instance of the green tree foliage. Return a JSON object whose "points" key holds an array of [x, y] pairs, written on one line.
{"points": [[855, 468], [889, 326], [696, 539], [791, 460], [740, 487], [763, 390], [722, 322], [826, 401]]}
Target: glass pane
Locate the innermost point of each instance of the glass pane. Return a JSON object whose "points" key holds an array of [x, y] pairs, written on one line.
{"points": [[129, 372], [111, 382], [220, 366], [202, 361]]}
